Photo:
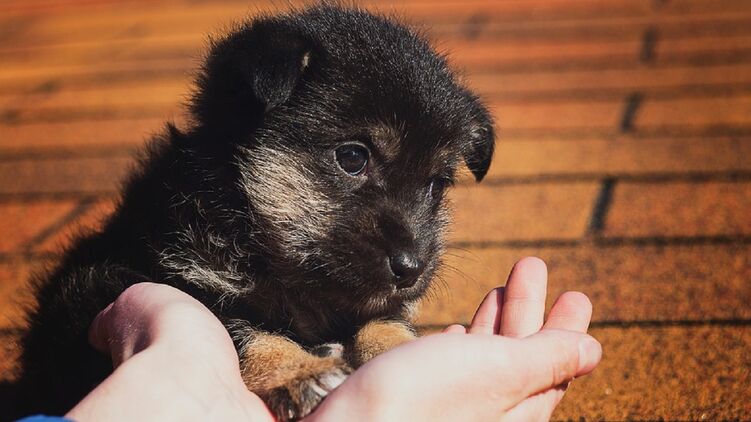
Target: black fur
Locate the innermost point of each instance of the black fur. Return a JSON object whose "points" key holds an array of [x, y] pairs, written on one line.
{"points": [[248, 210]]}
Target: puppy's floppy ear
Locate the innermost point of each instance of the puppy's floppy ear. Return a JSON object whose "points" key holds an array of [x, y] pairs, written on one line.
{"points": [[249, 73], [478, 153]]}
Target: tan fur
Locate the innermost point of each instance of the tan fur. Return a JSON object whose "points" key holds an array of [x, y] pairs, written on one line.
{"points": [[283, 189], [290, 380], [378, 337]]}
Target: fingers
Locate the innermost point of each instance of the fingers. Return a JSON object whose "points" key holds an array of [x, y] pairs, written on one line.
{"points": [[571, 311], [487, 319], [455, 328], [147, 312], [551, 358], [523, 307]]}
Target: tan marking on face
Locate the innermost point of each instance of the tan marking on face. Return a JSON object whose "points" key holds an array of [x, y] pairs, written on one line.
{"points": [[285, 192], [387, 140]]}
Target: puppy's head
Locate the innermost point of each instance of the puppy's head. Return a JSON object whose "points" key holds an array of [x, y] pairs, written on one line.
{"points": [[346, 129]]}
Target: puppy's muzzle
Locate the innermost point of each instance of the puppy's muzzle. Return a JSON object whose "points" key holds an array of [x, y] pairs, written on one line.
{"points": [[405, 268]]}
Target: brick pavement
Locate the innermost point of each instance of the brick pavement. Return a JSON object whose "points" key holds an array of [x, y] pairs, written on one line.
{"points": [[623, 161]]}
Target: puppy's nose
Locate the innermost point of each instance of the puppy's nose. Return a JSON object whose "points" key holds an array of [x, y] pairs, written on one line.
{"points": [[406, 267]]}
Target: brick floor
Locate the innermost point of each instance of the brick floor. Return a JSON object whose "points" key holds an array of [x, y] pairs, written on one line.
{"points": [[623, 161], [626, 282]]}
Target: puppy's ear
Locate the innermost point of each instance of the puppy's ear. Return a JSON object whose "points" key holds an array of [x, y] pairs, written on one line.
{"points": [[479, 152], [249, 73]]}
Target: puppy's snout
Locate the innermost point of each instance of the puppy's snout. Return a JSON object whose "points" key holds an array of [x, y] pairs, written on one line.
{"points": [[406, 268]]}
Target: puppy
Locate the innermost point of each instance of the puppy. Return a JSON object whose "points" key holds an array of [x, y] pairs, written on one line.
{"points": [[305, 206]]}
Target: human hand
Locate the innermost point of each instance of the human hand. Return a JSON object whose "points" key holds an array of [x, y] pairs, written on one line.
{"points": [[507, 365], [517, 310], [174, 361]]}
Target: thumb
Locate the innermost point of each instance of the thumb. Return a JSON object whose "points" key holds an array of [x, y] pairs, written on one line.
{"points": [[551, 358], [99, 332]]}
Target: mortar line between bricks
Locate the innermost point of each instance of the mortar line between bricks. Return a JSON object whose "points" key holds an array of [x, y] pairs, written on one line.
{"points": [[677, 92], [107, 78], [699, 59], [601, 207], [83, 205], [604, 65], [693, 177], [630, 108], [6, 331], [721, 90], [576, 134], [511, 244], [553, 178], [537, 34], [649, 45], [80, 152], [607, 242], [131, 151], [24, 197]]}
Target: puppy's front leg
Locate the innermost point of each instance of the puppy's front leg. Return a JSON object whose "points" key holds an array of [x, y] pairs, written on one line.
{"points": [[289, 379], [377, 337]]}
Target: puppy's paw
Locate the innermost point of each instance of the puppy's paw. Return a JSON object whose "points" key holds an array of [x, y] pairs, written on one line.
{"points": [[328, 350], [300, 395]]}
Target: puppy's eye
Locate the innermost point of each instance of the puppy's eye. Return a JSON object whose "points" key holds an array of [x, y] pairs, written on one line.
{"points": [[437, 187], [352, 158]]}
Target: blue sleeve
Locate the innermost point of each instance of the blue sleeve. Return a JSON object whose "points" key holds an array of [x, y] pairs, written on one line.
{"points": [[42, 418]]}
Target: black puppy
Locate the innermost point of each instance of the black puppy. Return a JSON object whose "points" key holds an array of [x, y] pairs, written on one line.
{"points": [[304, 206]]}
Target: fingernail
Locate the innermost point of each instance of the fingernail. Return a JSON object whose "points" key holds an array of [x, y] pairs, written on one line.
{"points": [[590, 352]]}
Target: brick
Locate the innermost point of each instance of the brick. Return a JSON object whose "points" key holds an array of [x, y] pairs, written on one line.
{"points": [[607, 81], [702, 24], [113, 95], [680, 209], [8, 356], [486, 213], [544, 116], [625, 283], [22, 222], [15, 292], [174, 47], [77, 175], [617, 156], [73, 136], [492, 53], [92, 113], [20, 78], [139, 20], [91, 219], [668, 50], [695, 113], [670, 373]]}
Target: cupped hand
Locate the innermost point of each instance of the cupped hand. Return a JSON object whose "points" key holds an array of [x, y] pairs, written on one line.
{"points": [[509, 364], [517, 310], [173, 360]]}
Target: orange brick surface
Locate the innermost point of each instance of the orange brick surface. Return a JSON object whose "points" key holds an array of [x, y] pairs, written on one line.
{"points": [[716, 209], [622, 160], [15, 292], [628, 283], [72, 137], [669, 373], [487, 213], [90, 219], [619, 156], [22, 222], [50, 176]]}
